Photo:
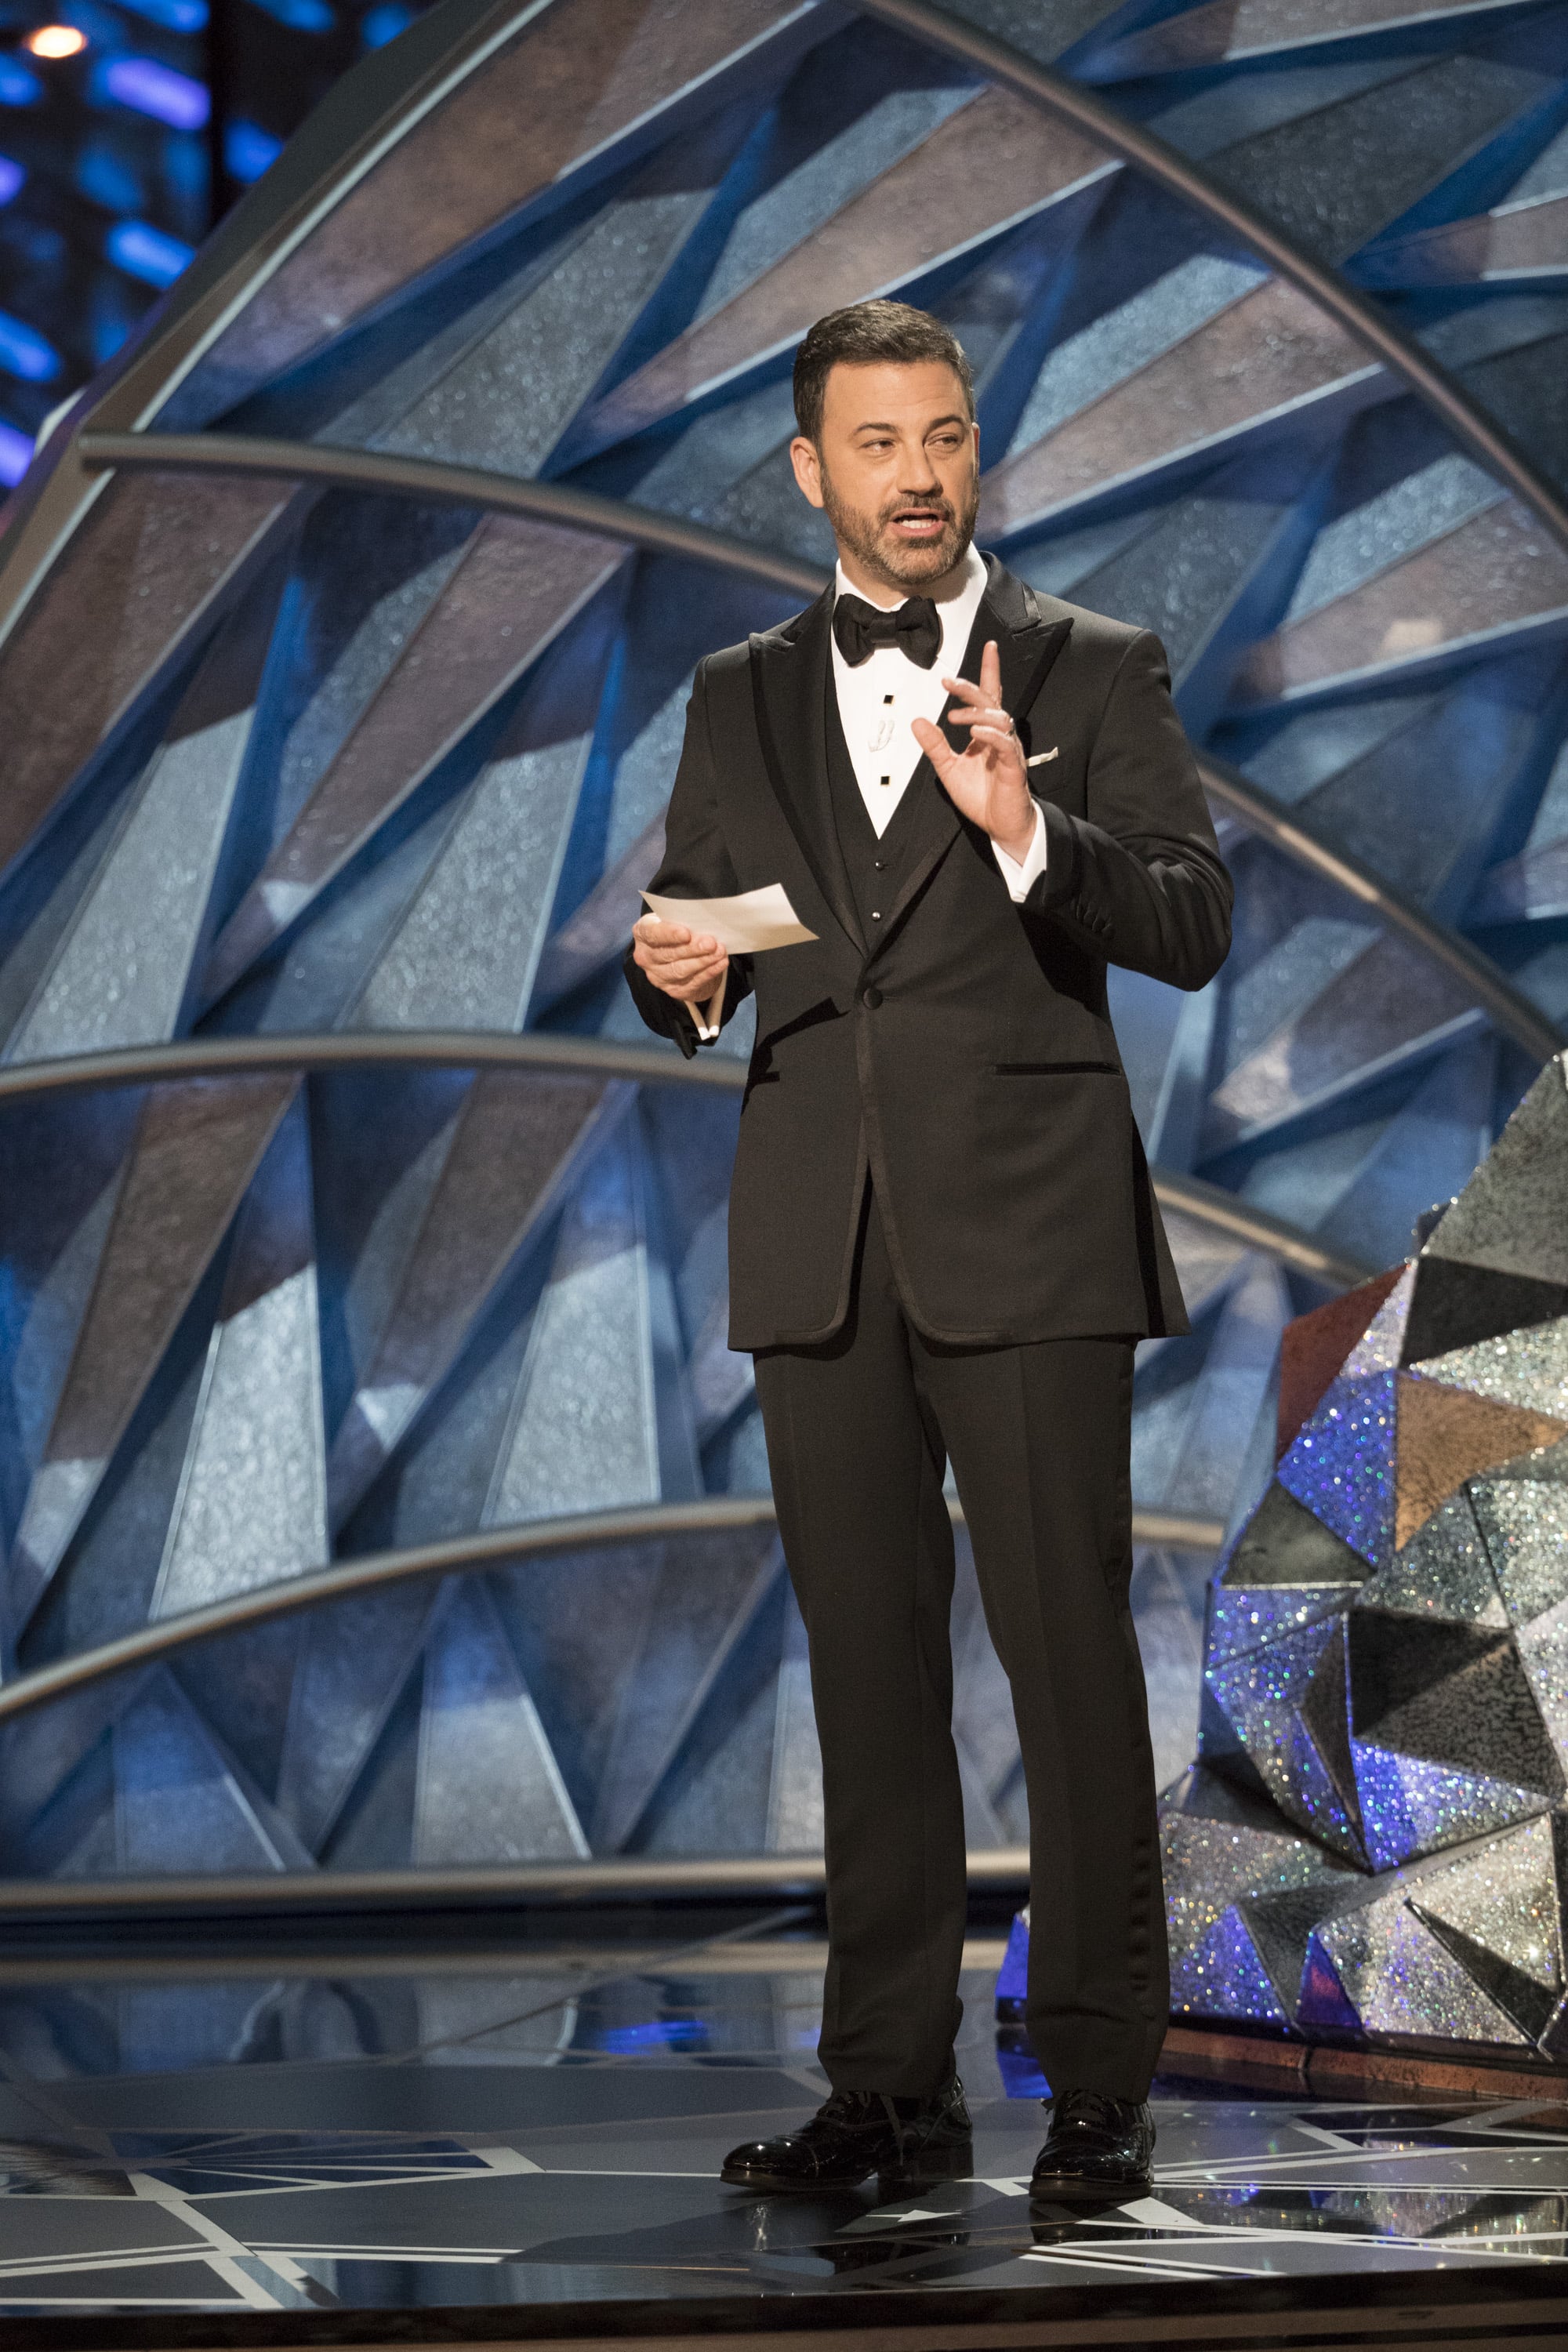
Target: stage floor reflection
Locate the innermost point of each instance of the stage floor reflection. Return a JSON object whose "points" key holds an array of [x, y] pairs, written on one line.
{"points": [[544, 2126]]}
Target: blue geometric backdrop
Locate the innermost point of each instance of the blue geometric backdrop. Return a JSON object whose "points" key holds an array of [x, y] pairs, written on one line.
{"points": [[345, 634]]}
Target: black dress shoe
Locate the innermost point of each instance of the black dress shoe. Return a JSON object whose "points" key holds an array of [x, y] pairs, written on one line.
{"points": [[906, 2143], [1097, 2152]]}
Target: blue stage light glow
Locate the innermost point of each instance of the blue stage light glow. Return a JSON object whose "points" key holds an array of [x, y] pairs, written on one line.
{"points": [[145, 252], [15, 454], [12, 175], [385, 24], [248, 150], [301, 16], [24, 352], [148, 88], [174, 15], [17, 86]]}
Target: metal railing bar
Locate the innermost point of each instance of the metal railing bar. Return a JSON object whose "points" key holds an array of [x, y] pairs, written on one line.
{"points": [[615, 1876], [1295, 836], [345, 1579], [223, 1058], [434, 480]]}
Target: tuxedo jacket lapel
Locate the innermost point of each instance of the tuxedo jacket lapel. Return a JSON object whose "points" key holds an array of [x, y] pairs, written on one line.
{"points": [[790, 685]]}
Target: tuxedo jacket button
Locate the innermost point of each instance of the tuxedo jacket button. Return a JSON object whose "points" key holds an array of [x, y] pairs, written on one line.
{"points": [[871, 998]]}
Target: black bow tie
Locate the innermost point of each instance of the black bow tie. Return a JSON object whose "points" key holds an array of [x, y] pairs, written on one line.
{"points": [[914, 629]]}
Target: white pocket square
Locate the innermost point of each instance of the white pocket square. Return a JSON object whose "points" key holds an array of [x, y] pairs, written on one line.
{"points": [[1041, 756]]}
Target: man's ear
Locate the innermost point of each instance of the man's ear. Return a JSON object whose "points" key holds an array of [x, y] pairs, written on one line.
{"points": [[807, 465]]}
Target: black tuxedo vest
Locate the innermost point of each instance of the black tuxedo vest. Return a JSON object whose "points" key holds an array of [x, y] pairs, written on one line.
{"points": [[874, 863]]}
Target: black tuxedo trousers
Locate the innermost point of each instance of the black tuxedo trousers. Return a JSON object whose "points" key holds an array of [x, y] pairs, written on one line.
{"points": [[860, 1428]]}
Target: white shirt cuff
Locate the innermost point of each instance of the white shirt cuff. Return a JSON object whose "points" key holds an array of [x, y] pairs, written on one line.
{"points": [[1021, 879]]}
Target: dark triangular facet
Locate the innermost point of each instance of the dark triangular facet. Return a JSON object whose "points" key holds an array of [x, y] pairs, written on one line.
{"points": [[1283, 1543], [1323, 2000], [1455, 1305], [1281, 1926], [1531, 2005], [1325, 1717], [1449, 1694], [1220, 1748]]}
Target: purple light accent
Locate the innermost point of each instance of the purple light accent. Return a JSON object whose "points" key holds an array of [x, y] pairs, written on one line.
{"points": [[1253, 1614], [25, 353], [148, 88], [1225, 1978], [15, 454], [1013, 1978], [1323, 1998], [385, 24], [144, 252], [17, 86], [1412, 1807], [248, 150], [1342, 1465], [11, 178], [1020, 2070]]}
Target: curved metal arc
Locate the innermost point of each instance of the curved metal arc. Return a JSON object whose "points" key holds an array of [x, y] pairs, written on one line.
{"points": [[435, 480], [1297, 839], [228, 1057], [1485, 439], [461, 1555]]}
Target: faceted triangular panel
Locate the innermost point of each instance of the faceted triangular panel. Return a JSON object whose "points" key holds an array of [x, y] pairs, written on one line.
{"points": [[354, 1659], [1342, 1467], [515, 122], [490, 1788], [196, 1147], [1514, 1214], [464, 950], [1454, 1307], [931, 205], [178, 1804], [1444, 1571], [1504, 1897], [1449, 1434], [707, 1597], [517, 585], [123, 973], [252, 1505], [1316, 1348], [1268, 353], [1221, 1850], [148, 565], [1381, 1346], [584, 1432], [509, 1152], [1398, 1979], [1525, 1369]]}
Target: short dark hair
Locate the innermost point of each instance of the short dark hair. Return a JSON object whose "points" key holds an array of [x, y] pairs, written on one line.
{"points": [[867, 334]]}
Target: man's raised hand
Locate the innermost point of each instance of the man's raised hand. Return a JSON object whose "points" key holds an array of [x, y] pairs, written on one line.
{"points": [[989, 782], [689, 969]]}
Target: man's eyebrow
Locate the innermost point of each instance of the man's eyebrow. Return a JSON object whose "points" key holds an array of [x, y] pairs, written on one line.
{"points": [[878, 425]]}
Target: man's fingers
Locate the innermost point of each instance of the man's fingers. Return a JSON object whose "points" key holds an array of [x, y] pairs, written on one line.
{"points": [[991, 671], [654, 932], [935, 746], [980, 717]]}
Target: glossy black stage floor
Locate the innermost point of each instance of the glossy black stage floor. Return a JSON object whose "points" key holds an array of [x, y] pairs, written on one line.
{"points": [[517, 2143]]}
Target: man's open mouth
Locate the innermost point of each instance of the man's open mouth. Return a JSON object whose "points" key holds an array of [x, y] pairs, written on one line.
{"points": [[919, 522]]}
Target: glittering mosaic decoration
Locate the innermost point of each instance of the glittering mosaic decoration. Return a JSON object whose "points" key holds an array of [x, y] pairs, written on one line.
{"points": [[1373, 1840]]}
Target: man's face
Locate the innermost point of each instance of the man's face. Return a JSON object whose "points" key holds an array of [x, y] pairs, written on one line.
{"points": [[896, 471]]}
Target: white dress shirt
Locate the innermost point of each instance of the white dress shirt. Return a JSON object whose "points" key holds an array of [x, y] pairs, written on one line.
{"points": [[879, 697]]}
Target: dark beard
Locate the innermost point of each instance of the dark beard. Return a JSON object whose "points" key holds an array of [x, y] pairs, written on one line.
{"points": [[901, 566]]}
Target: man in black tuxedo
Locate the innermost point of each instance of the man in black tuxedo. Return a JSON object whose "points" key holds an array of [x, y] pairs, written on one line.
{"points": [[943, 1242]]}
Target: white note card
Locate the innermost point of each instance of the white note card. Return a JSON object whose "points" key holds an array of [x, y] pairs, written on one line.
{"points": [[743, 925]]}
